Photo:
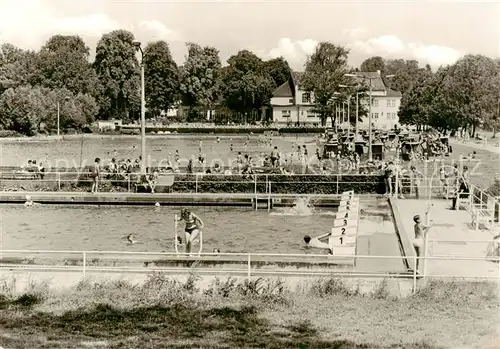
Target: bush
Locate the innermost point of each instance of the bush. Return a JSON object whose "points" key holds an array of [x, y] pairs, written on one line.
{"points": [[9, 133]]}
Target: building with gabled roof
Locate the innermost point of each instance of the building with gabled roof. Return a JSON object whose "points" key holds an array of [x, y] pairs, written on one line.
{"points": [[292, 105]]}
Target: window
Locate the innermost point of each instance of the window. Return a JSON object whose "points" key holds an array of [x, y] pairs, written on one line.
{"points": [[375, 103], [285, 113], [393, 103], [376, 115], [311, 114], [394, 116], [388, 115], [388, 102], [306, 97]]}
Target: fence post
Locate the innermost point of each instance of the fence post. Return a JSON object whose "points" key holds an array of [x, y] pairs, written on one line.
{"points": [[255, 190], [58, 181], [249, 267], [269, 198], [337, 184], [84, 262], [415, 274], [196, 183]]}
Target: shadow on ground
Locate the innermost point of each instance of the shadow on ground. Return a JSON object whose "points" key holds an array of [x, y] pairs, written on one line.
{"points": [[178, 326]]}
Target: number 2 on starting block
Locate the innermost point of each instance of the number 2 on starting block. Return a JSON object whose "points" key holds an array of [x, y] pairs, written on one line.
{"points": [[343, 231]]}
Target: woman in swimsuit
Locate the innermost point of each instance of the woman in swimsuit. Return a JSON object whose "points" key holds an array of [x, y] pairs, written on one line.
{"points": [[194, 225]]}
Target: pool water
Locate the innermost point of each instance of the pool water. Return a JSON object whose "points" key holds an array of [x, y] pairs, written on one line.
{"points": [[91, 228], [70, 152]]}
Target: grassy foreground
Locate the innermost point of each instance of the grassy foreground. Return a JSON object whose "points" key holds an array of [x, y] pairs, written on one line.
{"points": [[262, 313]]}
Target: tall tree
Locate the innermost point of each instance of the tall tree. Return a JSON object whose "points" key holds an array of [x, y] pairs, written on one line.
{"points": [[473, 84], [200, 77], [278, 69], [161, 77], [64, 63], [324, 72], [247, 86], [117, 68], [24, 108], [17, 67], [373, 64]]}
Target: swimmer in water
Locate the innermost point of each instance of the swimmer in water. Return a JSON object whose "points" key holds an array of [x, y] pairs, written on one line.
{"points": [[194, 225], [317, 243], [218, 139], [130, 239], [231, 147], [29, 202]]}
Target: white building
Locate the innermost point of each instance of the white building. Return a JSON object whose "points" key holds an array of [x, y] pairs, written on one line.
{"points": [[292, 105], [108, 124], [385, 102]]}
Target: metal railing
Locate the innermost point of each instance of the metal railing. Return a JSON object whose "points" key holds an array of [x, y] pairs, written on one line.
{"points": [[248, 260]]}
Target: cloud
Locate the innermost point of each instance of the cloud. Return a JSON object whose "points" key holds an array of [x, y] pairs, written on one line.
{"points": [[295, 52], [390, 46], [386, 46], [30, 23], [156, 30]]}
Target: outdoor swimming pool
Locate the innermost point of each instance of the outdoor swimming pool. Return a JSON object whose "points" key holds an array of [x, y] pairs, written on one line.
{"points": [[93, 228], [72, 149]]}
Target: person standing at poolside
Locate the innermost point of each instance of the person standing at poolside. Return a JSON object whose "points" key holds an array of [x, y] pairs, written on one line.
{"points": [[420, 232], [194, 225], [95, 172]]}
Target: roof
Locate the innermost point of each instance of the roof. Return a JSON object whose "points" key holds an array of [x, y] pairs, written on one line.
{"points": [[374, 77], [284, 90], [392, 93]]}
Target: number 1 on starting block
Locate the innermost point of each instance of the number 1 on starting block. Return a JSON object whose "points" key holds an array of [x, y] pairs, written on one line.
{"points": [[344, 240]]}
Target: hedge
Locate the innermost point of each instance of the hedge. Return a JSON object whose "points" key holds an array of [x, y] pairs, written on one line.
{"points": [[206, 183]]}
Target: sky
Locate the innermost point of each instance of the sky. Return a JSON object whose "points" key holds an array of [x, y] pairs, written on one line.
{"points": [[431, 32]]}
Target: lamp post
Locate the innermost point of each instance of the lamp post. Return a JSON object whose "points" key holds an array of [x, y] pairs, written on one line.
{"points": [[138, 47], [356, 131], [59, 115], [370, 139]]}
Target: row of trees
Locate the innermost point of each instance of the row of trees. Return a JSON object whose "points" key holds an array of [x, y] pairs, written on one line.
{"points": [[60, 76], [465, 95], [32, 84]]}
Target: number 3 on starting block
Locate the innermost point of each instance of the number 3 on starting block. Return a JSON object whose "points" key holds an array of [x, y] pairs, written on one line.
{"points": [[345, 222]]}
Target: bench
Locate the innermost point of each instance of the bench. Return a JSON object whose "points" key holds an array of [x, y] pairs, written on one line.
{"points": [[485, 214], [165, 180], [464, 199]]}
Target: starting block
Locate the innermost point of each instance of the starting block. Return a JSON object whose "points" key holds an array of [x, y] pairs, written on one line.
{"points": [[340, 231], [344, 250], [336, 241], [346, 223], [347, 214], [353, 202]]}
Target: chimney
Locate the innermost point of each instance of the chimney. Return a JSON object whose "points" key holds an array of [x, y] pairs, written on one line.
{"points": [[378, 72]]}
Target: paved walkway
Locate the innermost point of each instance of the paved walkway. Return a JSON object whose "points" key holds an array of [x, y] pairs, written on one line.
{"points": [[472, 144], [452, 236]]}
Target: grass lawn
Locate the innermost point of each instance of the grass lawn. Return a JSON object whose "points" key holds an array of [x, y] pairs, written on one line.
{"points": [[263, 313]]}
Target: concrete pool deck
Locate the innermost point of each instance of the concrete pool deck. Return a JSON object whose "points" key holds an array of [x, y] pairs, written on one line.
{"points": [[450, 236], [169, 199]]}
